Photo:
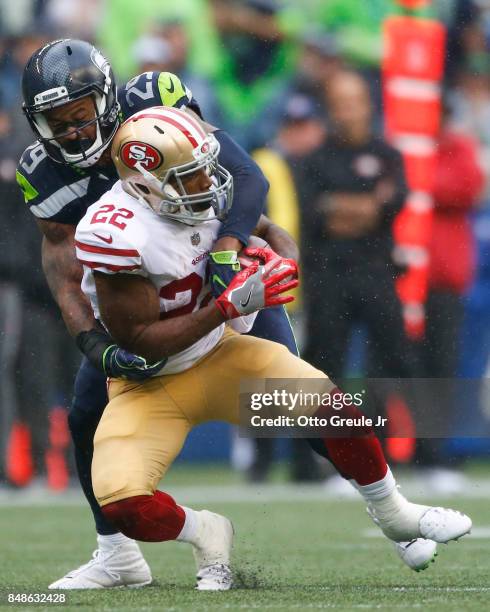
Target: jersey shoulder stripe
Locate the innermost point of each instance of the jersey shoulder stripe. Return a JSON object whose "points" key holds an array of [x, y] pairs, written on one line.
{"points": [[53, 204], [89, 248], [104, 266], [52, 191], [109, 247]]}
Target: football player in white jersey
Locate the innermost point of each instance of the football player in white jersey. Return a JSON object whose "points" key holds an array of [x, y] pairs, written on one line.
{"points": [[144, 247]]}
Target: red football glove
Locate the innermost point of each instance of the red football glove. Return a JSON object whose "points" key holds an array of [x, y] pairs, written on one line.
{"points": [[266, 254], [257, 287]]}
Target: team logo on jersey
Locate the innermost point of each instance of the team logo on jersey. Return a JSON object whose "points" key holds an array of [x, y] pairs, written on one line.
{"points": [[134, 152], [195, 239]]}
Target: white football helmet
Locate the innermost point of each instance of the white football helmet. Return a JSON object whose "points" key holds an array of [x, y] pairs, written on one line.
{"points": [[156, 150]]}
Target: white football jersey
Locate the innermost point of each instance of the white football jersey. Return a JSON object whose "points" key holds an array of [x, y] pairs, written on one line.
{"points": [[119, 234]]}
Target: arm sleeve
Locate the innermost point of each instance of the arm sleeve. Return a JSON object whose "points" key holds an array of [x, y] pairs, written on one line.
{"points": [[250, 189], [51, 192]]}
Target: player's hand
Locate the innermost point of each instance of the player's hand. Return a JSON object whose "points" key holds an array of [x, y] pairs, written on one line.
{"points": [[266, 254], [223, 266], [102, 352], [119, 363], [257, 287]]}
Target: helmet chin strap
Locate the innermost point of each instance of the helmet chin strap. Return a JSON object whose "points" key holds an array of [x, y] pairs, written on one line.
{"points": [[92, 158]]}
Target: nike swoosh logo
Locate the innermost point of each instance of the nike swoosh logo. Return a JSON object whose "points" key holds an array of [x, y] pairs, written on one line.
{"points": [[244, 304], [171, 89], [104, 239]]}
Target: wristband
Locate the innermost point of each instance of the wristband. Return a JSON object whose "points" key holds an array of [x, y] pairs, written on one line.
{"points": [[94, 344], [226, 258]]}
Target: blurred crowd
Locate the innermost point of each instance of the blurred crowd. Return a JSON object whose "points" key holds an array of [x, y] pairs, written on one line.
{"points": [[297, 84]]}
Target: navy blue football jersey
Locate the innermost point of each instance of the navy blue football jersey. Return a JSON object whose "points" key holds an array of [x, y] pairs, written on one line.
{"points": [[62, 193]]}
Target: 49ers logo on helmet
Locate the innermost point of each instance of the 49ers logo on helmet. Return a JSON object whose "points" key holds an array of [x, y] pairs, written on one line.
{"points": [[135, 151]]}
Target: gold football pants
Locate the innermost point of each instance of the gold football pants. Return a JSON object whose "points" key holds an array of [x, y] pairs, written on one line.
{"points": [[144, 425]]}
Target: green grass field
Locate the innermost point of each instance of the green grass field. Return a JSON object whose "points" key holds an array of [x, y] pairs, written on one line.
{"points": [[295, 549]]}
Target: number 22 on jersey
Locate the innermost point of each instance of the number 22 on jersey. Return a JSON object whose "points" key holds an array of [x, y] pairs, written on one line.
{"points": [[102, 215]]}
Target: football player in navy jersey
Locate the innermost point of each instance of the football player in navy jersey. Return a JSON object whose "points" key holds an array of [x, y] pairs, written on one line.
{"points": [[74, 108]]}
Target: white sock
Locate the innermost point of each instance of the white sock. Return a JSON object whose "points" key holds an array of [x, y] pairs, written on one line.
{"points": [[189, 530], [377, 490], [108, 542]]}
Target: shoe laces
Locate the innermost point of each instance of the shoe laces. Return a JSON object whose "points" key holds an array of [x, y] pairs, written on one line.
{"points": [[98, 558]]}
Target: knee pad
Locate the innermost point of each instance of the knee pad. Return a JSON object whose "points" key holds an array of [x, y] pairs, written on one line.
{"points": [[125, 513], [148, 518]]}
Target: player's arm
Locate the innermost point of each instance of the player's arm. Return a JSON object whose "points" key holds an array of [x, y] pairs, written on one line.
{"points": [[250, 189], [278, 238], [130, 308], [64, 274]]}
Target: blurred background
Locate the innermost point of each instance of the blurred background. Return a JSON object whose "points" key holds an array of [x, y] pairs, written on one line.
{"points": [[371, 121]]}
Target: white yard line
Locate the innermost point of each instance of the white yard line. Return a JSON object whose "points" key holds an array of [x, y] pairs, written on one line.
{"points": [[235, 493]]}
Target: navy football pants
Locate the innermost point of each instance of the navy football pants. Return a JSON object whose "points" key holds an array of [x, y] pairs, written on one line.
{"points": [[90, 399]]}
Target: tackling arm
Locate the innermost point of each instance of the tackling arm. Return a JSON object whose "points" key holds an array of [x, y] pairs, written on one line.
{"points": [[250, 189], [278, 239], [64, 274]]}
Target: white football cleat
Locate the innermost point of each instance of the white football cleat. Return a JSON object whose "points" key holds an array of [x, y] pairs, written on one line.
{"points": [[124, 565], [212, 551], [444, 524], [401, 521], [216, 577], [417, 554]]}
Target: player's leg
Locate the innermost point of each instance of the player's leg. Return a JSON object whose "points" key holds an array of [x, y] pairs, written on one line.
{"points": [[89, 401], [273, 324], [118, 560], [358, 457], [328, 338], [139, 436]]}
